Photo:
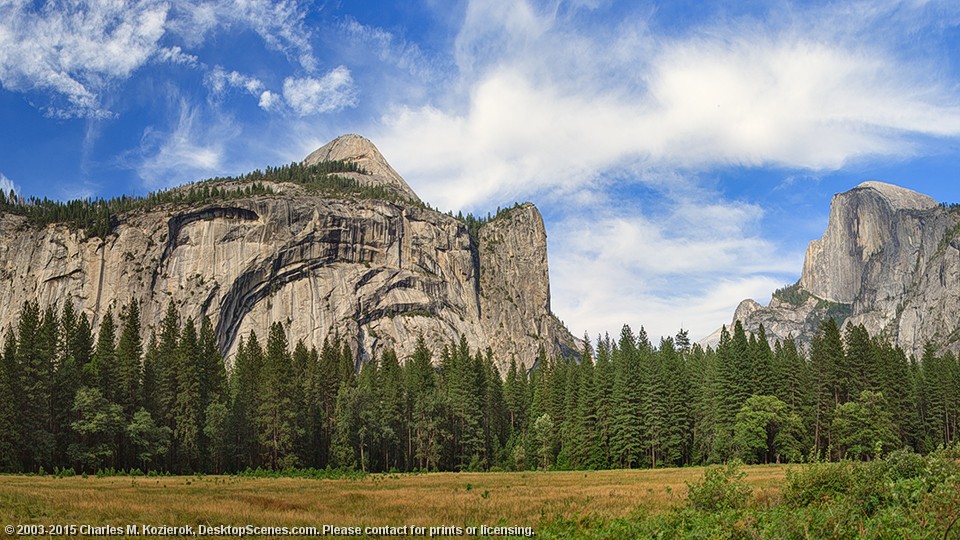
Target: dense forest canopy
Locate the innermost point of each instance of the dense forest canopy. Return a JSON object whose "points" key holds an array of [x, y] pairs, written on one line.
{"points": [[69, 399]]}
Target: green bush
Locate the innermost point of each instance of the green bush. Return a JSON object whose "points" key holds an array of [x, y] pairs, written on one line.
{"points": [[721, 488], [904, 464], [817, 483]]}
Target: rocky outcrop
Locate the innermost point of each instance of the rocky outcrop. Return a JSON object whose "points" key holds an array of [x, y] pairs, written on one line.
{"points": [[515, 287], [375, 272], [889, 260], [359, 150]]}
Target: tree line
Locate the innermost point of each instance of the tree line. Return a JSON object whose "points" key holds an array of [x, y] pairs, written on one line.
{"points": [[72, 400], [97, 217]]}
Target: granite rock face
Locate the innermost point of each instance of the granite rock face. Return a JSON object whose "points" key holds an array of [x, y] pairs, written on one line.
{"points": [[374, 272], [356, 149], [889, 260]]}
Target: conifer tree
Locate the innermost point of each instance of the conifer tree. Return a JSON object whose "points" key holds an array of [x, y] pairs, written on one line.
{"points": [[826, 360], [188, 408], [762, 363], [392, 400], [276, 415], [306, 364], [626, 436], [9, 405], [345, 441], [35, 366], [166, 370], [129, 355], [67, 379], [104, 369], [245, 402], [213, 396], [601, 454]]}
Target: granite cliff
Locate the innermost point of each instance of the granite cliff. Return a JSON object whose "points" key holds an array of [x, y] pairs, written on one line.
{"points": [[889, 260], [377, 272]]}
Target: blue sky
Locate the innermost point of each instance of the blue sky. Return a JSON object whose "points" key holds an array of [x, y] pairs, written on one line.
{"points": [[683, 153]]}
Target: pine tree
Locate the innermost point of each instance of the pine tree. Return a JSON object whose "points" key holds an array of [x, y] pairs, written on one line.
{"points": [[626, 435], [426, 407], [826, 360], [861, 373], [701, 371], [103, 368], [35, 365], [213, 395], [495, 428], [601, 454], [677, 443], [276, 415], [729, 390], [306, 364], [390, 384], [166, 370], [188, 408], [67, 378], [129, 354], [328, 385], [342, 448], [9, 405], [764, 374], [245, 402]]}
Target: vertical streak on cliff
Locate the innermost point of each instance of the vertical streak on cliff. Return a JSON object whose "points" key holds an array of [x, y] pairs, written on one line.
{"points": [[102, 249]]}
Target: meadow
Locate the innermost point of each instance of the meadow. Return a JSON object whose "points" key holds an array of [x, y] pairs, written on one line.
{"points": [[428, 500], [903, 495]]}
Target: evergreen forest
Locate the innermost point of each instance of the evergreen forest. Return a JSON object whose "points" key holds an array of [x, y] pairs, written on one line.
{"points": [[70, 399]]}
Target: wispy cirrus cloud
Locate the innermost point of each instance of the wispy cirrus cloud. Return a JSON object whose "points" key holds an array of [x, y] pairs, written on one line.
{"points": [[193, 147], [280, 24]]}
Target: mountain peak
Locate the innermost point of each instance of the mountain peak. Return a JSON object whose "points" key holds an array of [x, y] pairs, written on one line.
{"points": [[357, 149], [899, 197]]}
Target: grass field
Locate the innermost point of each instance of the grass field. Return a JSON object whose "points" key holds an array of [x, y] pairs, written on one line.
{"points": [[449, 499]]}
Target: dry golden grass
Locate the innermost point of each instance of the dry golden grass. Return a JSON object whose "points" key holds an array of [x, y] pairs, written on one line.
{"points": [[457, 499]]}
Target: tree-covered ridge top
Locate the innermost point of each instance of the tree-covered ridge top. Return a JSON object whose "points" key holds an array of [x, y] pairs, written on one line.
{"points": [[99, 216]]}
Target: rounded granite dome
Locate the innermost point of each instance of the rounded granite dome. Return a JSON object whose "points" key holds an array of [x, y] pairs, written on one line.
{"points": [[899, 197], [357, 149]]}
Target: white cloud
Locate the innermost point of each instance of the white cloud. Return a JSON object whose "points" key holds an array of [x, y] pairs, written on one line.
{"points": [[309, 95], [192, 150], [280, 24], [389, 48], [268, 100], [74, 50], [6, 185], [175, 55], [219, 80], [545, 103], [687, 268]]}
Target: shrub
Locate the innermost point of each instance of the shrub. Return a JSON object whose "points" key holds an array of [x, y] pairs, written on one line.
{"points": [[817, 482], [903, 465], [721, 488]]}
